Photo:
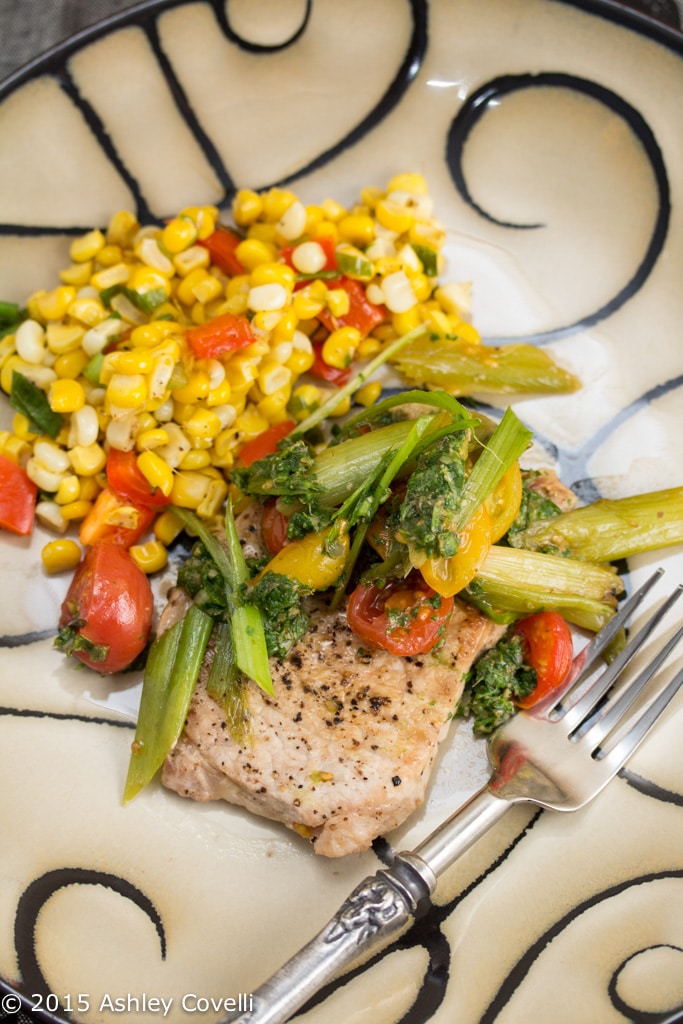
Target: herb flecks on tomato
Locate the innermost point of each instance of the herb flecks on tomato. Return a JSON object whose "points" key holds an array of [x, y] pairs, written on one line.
{"points": [[549, 651], [106, 616], [404, 617]]}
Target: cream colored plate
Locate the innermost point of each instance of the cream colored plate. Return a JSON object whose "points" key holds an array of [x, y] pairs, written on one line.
{"points": [[550, 134]]}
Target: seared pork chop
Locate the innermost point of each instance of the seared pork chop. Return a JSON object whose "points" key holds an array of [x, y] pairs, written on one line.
{"points": [[343, 752]]}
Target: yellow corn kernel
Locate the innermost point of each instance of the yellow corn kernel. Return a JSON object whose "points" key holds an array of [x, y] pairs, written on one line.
{"points": [[110, 276], [219, 395], [213, 499], [285, 327], [21, 427], [66, 395], [394, 216], [273, 376], [338, 301], [198, 386], [179, 234], [71, 365], [78, 274], [251, 252], [69, 489], [14, 448], [368, 394], [369, 347], [196, 257], [186, 288], [109, 256], [300, 361], [40, 375], [62, 555], [149, 335], [203, 424], [87, 460], [8, 348], [74, 511], [342, 407], [468, 332], [326, 229], [145, 280], [422, 286], [151, 438], [276, 202], [189, 488], [309, 301], [339, 348], [247, 207], [238, 285], [410, 182], [167, 527], [150, 557], [333, 210], [156, 471], [197, 458], [358, 229], [87, 246], [404, 322], [62, 337], [262, 232], [54, 305], [127, 390], [240, 372], [305, 399], [274, 406], [89, 487], [269, 272], [129, 361], [370, 196], [122, 227], [205, 218]]}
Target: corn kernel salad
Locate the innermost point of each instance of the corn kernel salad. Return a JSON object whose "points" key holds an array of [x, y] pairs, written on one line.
{"points": [[165, 350]]}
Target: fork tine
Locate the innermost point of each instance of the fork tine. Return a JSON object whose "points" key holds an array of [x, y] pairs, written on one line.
{"points": [[588, 655], [614, 711], [579, 711], [641, 724]]}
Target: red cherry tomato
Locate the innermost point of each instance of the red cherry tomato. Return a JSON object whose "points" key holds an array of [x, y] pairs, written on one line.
{"points": [[548, 649], [273, 527], [125, 477], [265, 443], [403, 617], [106, 615]]}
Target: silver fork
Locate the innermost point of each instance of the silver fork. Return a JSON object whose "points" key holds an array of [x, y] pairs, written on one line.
{"points": [[559, 755]]}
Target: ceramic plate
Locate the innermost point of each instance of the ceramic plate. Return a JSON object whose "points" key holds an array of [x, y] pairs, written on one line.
{"points": [[549, 133]]}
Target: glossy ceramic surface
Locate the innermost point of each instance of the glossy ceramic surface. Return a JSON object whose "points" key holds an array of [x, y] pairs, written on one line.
{"points": [[550, 135]]}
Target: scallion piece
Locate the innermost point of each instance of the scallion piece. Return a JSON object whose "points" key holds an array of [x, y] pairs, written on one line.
{"points": [[171, 672], [248, 636], [508, 441]]}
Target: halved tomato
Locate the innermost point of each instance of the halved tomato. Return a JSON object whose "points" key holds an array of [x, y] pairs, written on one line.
{"points": [[403, 617]]}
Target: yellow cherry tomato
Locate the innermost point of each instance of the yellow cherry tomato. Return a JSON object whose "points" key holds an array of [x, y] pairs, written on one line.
{"points": [[316, 560], [503, 503], [447, 576]]}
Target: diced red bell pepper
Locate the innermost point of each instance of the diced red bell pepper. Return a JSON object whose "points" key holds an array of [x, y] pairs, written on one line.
{"points": [[221, 245], [125, 477], [323, 370], [225, 333], [17, 498], [102, 521], [363, 314], [265, 443]]}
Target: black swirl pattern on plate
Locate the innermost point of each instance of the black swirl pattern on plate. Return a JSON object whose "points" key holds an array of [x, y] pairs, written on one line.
{"points": [[56, 64], [493, 92]]}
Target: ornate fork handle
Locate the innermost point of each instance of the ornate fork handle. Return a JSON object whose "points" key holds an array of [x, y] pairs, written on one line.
{"points": [[376, 912]]}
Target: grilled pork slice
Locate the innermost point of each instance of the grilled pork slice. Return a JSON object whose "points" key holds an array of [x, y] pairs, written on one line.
{"points": [[343, 752]]}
